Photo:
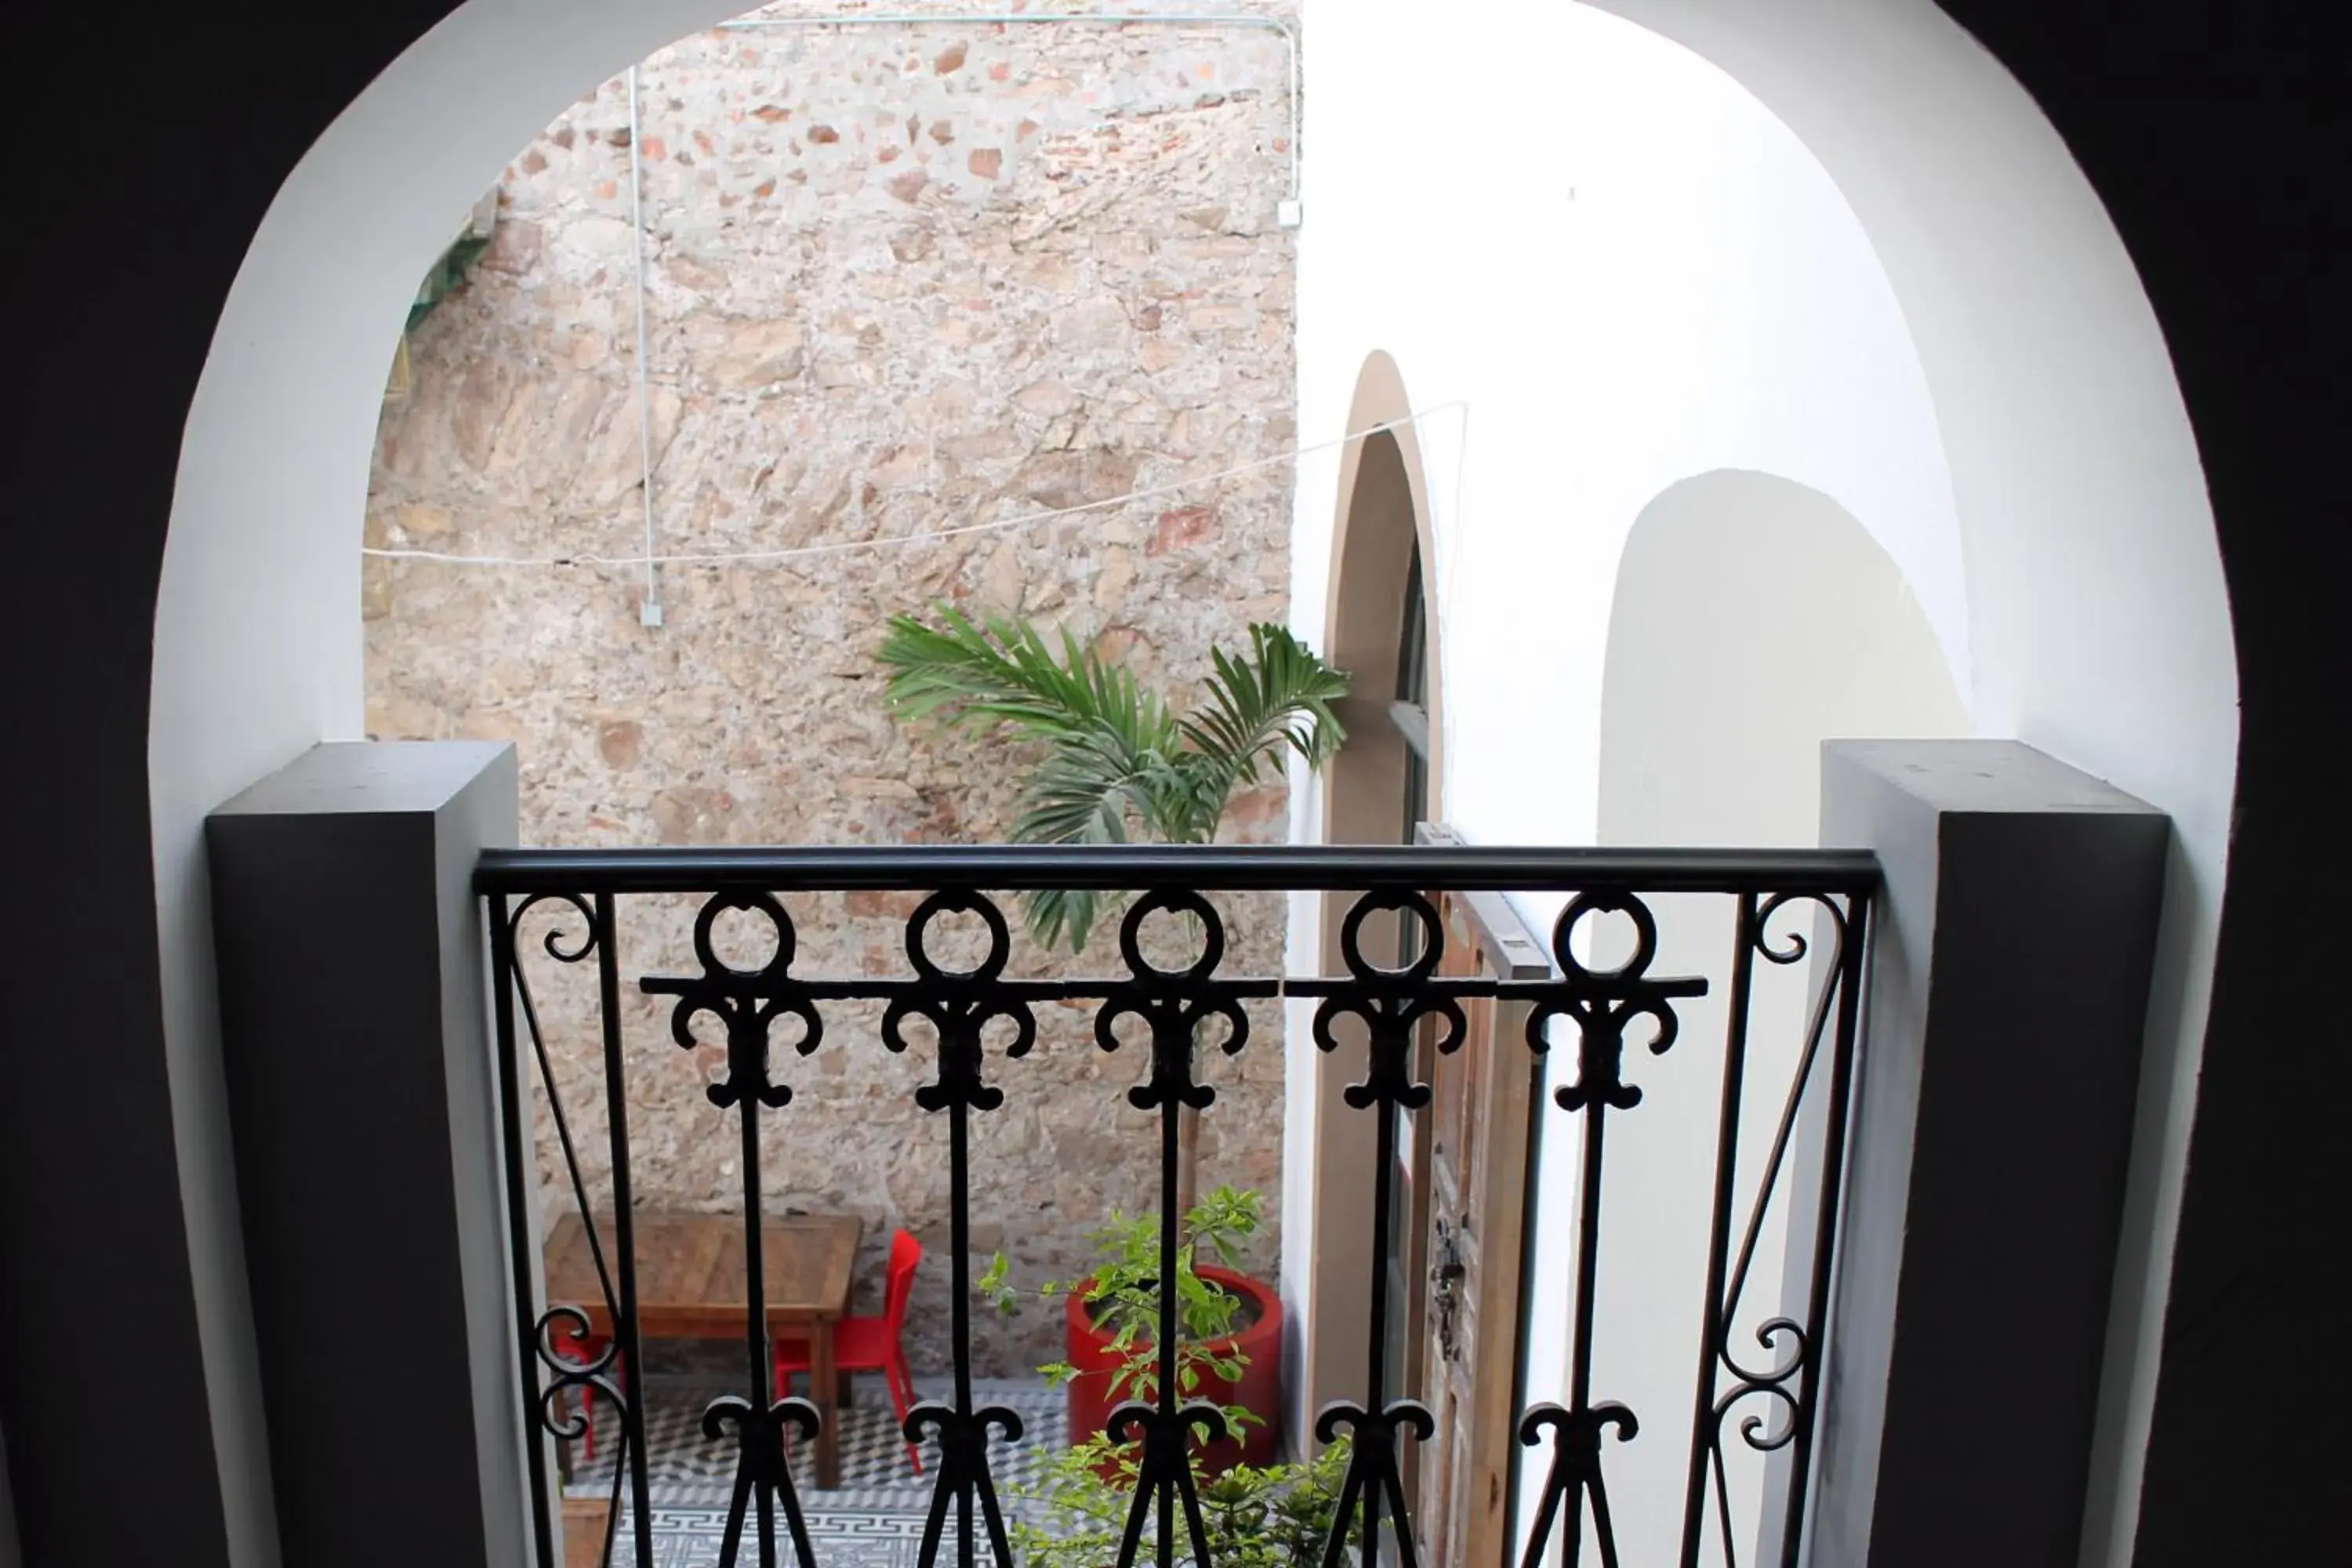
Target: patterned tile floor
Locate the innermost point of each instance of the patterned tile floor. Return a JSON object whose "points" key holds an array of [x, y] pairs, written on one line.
{"points": [[873, 1520], [840, 1538]]}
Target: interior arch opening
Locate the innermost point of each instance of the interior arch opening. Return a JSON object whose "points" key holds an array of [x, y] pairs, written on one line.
{"points": [[1752, 619]]}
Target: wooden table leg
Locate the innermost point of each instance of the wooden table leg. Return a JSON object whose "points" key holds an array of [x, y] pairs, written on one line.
{"points": [[826, 1389]]}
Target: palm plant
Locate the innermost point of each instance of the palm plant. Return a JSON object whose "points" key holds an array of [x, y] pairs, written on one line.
{"points": [[1118, 760]]}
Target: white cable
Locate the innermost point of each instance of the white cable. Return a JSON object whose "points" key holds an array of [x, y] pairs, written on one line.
{"points": [[1457, 550], [848, 546]]}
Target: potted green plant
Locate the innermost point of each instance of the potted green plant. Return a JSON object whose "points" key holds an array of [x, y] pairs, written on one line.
{"points": [[1270, 1516], [1229, 1327]]}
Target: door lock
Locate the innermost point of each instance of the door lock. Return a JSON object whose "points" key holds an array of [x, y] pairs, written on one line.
{"points": [[1445, 1277]]}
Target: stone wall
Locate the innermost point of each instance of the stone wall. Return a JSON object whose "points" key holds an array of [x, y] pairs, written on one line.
{"points": [[899, 280]]}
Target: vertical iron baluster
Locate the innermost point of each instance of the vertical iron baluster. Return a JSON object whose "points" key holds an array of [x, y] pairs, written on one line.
{"points": [[1170, 1396], [625, 1246], [1175, 1006], [759, 1358], [1575, 1472], [1390, 1003], [959, 1006], [959, 1278], [1713, 1327], [1853, 940], [1601, 1004], [761, 1378], [1588, 1275], [520, 1229], [1376, 1370], [747, 1002]]}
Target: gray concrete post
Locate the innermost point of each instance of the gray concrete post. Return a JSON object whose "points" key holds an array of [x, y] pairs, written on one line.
{"points": [[364, 1105], [2006, 1004]]}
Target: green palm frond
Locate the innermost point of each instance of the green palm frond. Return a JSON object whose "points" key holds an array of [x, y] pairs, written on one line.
{"points": [[1002, 671], [1091, 782], [1279, 697], [1116, 760]]}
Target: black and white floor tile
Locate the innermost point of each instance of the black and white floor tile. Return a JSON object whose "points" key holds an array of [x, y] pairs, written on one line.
{"points": [[839, 1538], [873, 1520]]}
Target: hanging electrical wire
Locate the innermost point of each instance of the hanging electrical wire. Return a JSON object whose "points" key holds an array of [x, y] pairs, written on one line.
{"points": [[918, 541]]}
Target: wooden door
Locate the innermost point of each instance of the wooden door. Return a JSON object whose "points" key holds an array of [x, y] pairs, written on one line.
{"points": [[1474, 1189]]}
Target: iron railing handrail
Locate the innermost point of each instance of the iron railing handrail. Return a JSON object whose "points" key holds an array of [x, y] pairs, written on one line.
{"points": [[1223, 867], [1593, 1019]]}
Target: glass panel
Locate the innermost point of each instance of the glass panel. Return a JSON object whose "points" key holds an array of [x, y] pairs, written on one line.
{"points": [[1413, 647], [1407, 1220]]}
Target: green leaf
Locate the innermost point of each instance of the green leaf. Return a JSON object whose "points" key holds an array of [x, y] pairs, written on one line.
{"points": [[995, 1287], [1279, 698], [1115, 762]]}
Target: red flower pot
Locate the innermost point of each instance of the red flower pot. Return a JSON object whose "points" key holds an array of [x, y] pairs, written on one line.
{"points": [[1259, 1390]]}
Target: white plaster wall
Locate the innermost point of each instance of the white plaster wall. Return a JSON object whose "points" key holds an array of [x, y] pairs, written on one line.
{"points": [[1667, 284], [2099, 618], [1868, 266], [257, 625], [1662, 283], [1753, 617]]}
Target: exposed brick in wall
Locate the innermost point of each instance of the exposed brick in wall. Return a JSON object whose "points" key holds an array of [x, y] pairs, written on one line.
{"points": [[899, 280]]}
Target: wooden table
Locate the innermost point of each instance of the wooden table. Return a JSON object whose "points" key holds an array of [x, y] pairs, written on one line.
{"points": [[691, 1286]]}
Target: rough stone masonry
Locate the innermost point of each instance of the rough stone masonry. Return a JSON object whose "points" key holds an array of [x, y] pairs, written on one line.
{"points": [[899, 280]]}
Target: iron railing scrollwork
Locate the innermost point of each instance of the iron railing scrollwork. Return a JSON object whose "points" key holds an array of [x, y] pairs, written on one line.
{"points": [[1726, 1381], [1390, 1004], [1175, 1007], [972, 1026], [591, 1372], [748, 1004], [1598, 1004]]}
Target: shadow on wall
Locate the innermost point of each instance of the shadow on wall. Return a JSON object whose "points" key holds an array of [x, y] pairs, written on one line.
{"points": [[1754, 618]]}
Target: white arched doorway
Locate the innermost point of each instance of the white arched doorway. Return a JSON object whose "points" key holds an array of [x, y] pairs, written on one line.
{"points": [[1379, 626]]}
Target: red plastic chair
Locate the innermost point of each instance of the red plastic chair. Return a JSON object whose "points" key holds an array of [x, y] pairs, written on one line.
{"points": [[869, 1345], [584, 1354]]}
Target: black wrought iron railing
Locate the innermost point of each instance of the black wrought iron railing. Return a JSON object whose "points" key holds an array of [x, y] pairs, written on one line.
{"points": [[978, 1019]]}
